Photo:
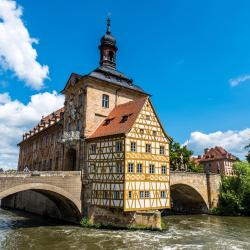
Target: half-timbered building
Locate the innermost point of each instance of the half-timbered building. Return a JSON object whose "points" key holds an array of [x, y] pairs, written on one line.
{"points": [[109, 130]]}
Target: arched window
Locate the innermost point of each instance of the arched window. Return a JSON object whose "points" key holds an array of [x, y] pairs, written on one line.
{"points": [[111, 56]]}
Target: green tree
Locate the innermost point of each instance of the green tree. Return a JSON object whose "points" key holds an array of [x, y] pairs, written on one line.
{"points": [[235, 191], [180, 158], [248, 155]]}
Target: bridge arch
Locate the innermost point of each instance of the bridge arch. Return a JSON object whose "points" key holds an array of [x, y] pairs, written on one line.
{"points": [[66, 203], [187, 199]]}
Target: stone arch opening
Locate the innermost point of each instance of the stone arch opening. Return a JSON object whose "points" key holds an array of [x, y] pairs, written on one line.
{"points": [[42, 199], [70, 163], [187, 200]]}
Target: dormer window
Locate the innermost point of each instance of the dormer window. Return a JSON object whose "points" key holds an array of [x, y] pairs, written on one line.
{"points": [[124, 118], [105, 101], [107, 121]]}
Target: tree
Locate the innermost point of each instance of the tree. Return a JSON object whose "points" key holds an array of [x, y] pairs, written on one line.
{"points": [[235, 191], [180, 158], [248, 155]]}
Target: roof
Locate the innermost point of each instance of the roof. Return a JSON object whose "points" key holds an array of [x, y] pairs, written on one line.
{"points": [[106, 74], [45, 123], [217, 153], [120, 120], [116, 77]]}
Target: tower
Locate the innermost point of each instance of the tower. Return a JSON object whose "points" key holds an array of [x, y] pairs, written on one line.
{"points": [[108, 48]]}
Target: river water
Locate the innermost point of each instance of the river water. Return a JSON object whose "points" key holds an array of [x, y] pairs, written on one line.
{"points": [[22, 231]]}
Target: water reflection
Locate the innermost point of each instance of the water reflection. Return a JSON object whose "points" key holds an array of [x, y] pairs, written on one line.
{"points": [[184, 232]]}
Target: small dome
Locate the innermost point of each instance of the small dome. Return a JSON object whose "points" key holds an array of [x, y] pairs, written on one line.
{"points": [[108, 39]]}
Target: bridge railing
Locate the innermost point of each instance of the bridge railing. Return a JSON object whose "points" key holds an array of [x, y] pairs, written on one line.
{"points": [[39, 173]]}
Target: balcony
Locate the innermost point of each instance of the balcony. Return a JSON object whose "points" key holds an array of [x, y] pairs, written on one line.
{"points": [[70, 137]]}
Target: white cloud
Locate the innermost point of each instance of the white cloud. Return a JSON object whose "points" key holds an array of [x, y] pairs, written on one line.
{"points": [[16, 51], [4, 98], [236, 81], [232, 141], [17, 118]]}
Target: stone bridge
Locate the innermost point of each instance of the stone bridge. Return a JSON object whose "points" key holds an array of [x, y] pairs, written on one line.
{"points": [[59, 194], [55, 194], [194, 192]]}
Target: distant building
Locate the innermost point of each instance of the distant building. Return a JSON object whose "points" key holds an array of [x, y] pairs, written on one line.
{"points": [[217, 160]]}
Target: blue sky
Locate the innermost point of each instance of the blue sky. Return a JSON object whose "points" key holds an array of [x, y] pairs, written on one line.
{"points": [[192, 56]]}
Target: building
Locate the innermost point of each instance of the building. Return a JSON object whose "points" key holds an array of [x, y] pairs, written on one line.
{"points": [[108, 129], [217, 160]]}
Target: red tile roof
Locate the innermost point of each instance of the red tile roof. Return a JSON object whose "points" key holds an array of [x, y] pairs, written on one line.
{"points": [[121, 119], [217, 153], [45, 123]]}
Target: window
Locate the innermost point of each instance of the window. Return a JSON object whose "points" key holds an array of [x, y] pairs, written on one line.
{"points": [[148, 117], [133, 146], [50, 164], [151, 169], [69, 126], [93, 168], [124, 118], [80, 99], [130, 194], [57, 161], [162, 150], [93, 148], [105, 194], [116, 195], [105, 101], [148, 148], [118, 146], [78, 125], [107, 122], [154, 133], [139, 168], [163, 194], [163, 170], [141, 194], [147, 194], [130, 167], [111, 56], [118, 168], [141, 131]]}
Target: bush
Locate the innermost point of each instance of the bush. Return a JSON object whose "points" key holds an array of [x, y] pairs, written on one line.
{"points": [[235, 191]]}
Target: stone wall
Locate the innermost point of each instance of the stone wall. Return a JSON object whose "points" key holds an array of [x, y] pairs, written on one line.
{"points": [[118, 218], [33, 202], [206, 185]]}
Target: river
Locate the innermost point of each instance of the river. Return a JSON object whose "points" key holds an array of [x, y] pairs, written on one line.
{"points": [[20, 231]]}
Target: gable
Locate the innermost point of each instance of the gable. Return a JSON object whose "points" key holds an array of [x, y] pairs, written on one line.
{"points": [[72, 81], [148, 121]]}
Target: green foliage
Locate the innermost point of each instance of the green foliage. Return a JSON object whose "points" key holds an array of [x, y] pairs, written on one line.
{"points": [[192, 167], [248, 155], [180, 158], [163, 225], [85, 222], [235, 191]]}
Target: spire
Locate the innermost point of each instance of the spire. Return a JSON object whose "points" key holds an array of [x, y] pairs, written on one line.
{"points": [[108, 48], [108, 24]]}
